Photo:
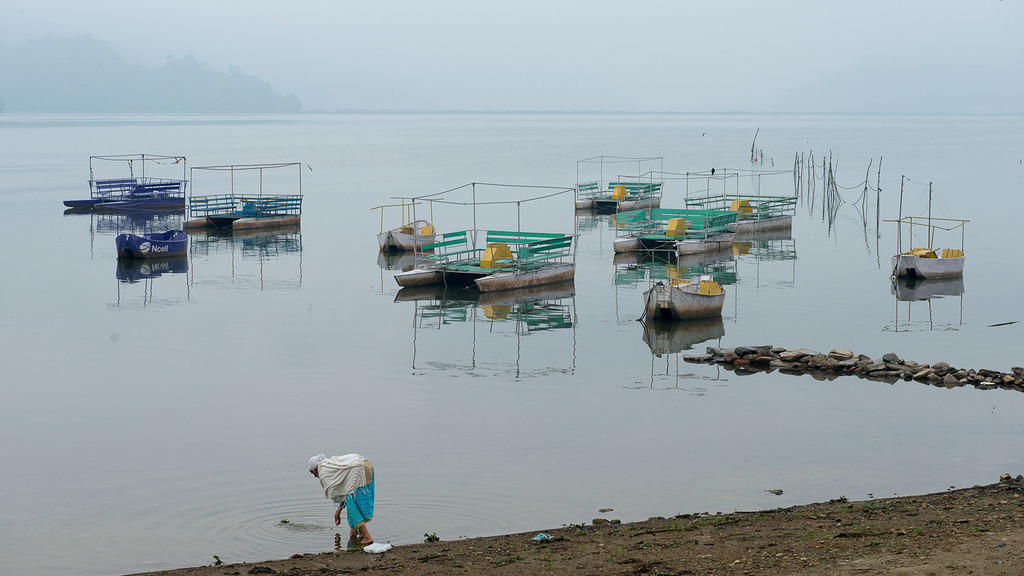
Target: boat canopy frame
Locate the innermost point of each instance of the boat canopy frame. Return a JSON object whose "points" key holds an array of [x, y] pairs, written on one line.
{"points": [[114, 188], [534, 247], [643, 183], [763, 206], [246, 205], [930, 225]]}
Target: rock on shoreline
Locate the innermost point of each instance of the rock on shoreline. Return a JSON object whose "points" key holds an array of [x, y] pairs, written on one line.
{"points": [[840, 362]]}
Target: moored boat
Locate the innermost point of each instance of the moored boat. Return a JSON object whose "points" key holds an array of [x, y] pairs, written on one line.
{"points": [[155, 245], [408, 237], [134, 192], [682, 231], [701, 297], [622, 193], [927, 262]]}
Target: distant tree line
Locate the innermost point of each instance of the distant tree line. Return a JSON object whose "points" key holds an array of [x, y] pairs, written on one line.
{"points": [[83, 74]]}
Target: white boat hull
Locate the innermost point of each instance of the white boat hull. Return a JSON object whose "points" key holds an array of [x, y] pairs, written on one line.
{"points": [[512, 280], [620, 245], [395, 240], [712, 244], [681, 302], [627, 205], [607, 205], [915, 266], [764, 224], [419, 277]]}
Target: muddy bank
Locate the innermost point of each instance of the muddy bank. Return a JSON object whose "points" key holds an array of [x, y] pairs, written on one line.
{"points": [[838, 362], [977, 530]]}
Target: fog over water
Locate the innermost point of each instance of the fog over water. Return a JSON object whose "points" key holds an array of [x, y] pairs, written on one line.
{"points": [[790, 56]]}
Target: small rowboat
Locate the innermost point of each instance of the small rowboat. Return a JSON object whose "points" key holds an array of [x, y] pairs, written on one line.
{"points": [[929, 264], [701, 297], [412, 236], [157, 245]]}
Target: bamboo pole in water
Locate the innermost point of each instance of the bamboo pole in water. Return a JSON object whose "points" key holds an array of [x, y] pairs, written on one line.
{"points": [[878, 195]]}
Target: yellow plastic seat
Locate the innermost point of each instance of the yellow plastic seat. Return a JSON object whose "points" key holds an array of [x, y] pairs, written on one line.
{"points": [[619, 192], [952, 253], [709, 287], [676, 227], [741, 206], [497, 255]]}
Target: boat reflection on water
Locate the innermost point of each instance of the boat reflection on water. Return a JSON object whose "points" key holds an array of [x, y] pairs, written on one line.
{"points": [[395, 262], [668, 340], [674, 337], [136, 270], [489, 324], [261, 258], [391, 260], [145, 272], [912, 289], [762, 246]]}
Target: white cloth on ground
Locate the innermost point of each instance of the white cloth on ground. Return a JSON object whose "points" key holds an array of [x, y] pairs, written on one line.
{"points": [[341, 475]]}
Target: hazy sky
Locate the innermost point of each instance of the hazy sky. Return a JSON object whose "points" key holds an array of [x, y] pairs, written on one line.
{"points": [[891, 56]]}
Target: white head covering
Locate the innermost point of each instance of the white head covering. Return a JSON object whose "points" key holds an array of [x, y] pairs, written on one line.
{"points": [[315, 461]]}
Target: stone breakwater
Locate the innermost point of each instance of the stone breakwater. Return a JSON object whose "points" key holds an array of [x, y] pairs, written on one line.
{"points": [[838, 362]]}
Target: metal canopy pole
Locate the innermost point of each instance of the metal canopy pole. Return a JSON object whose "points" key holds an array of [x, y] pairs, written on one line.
{"points": [[899, 220], [931, 231]]}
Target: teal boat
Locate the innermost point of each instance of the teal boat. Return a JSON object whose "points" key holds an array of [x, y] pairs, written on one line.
{"points": [[493, 259], [681, 231], [506, 260]]}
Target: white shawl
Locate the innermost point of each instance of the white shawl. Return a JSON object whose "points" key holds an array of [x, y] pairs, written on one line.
{"points": [[342, 475]]}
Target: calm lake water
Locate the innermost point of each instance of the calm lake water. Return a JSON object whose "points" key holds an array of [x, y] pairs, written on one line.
{"points": [[156, 417]]}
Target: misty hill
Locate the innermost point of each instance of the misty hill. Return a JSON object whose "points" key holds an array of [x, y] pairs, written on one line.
{"points": [[83, 74]]}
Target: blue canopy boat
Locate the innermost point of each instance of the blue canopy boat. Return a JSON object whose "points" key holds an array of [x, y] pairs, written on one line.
{"points": [[135, 192], [156, 245]]}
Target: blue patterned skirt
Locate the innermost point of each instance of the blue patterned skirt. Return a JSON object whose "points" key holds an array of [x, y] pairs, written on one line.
{"points": [[360, 506]]}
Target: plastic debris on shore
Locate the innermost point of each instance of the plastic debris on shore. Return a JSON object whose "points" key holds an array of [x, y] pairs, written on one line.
{"points": [[541, 537], [377, 548]]}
